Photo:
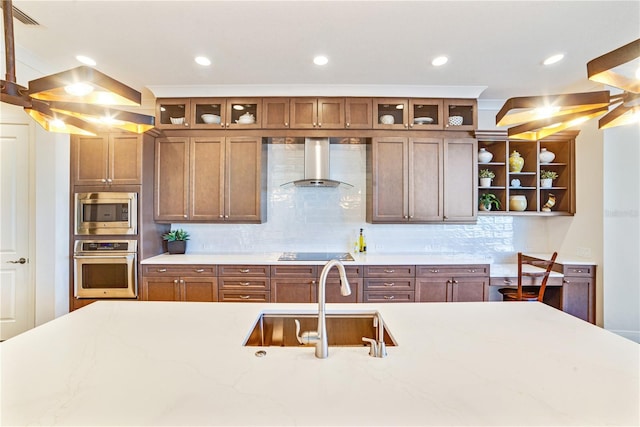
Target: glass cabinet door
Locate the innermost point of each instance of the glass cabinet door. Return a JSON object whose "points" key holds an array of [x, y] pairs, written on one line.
{"points": [[208, 113], [173, 113], [460, 114], [244, 113], [390, 113], [425, 114]]}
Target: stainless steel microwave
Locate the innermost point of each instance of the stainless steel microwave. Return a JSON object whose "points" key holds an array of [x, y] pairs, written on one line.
{"points": [[106, 213]]}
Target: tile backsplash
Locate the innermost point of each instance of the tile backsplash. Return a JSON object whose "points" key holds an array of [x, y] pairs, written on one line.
{"points": [[329, 219]]}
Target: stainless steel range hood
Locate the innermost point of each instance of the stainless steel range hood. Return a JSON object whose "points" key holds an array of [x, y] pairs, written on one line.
{"points": [[316, 165]]}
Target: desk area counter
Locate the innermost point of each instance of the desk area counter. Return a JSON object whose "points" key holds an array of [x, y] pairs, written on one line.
{"points": [[175, 363]]}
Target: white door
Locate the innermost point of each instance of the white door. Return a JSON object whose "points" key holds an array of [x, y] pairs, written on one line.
{"points": [[16, 296]]}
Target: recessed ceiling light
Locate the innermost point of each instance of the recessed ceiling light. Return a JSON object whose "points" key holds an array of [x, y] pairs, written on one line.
{"points": [[86, 60], [203, 60], [553, 59], [440, 60], [321, 60]]}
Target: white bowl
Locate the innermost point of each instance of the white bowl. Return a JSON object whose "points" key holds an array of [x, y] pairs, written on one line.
{"points": [[211, 118], [387, 119], [177, 120], [455, 120]]}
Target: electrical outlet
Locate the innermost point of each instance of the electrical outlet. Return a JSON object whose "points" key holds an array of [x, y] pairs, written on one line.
{"points": [[583, 252]]}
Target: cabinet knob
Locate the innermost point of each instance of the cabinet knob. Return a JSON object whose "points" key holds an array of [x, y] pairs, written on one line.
{"points": [[406, 125], [226, 216], [411, 125], [319, 124], [348, 124], [103, 180], [185, 215], [314, 124], [565, 281], [186, 124], [109, 180], [181, 281], [221, 216], [175, 282], [286, 124], [455, 282]]}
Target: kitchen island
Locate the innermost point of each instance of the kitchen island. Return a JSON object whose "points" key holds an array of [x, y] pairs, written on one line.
{"points": [[177, 363]]}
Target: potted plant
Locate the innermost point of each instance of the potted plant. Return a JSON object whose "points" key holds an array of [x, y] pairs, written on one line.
{"points": [[486, 175], [487, 200], [546, 178], [176, 241]]}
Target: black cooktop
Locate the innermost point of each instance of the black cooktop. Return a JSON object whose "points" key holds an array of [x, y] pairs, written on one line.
{"points": [[315, 256]]}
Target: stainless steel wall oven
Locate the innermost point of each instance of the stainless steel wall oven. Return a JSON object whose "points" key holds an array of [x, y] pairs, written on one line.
{"points": [[105, 269]]}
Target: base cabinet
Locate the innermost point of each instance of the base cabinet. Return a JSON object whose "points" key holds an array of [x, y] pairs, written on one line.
{"points": [[244, 283], [452, 283], [180, 283], [578, 291], [299, 284], [389, 283]]}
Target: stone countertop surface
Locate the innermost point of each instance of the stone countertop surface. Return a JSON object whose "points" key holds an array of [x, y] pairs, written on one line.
{"points": [[496, 269], [183, 363]]}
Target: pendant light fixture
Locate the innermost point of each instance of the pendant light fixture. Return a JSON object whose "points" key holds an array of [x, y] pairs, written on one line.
{"points": [[536, 117], [75, 101]]}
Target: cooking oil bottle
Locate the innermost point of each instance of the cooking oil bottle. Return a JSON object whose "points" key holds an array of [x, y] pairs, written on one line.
{"points": [[362, 243]]}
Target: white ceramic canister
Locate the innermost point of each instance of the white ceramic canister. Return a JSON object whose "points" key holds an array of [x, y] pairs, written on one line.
{"points": [[546, 156], [484, 156], [517, 203]]}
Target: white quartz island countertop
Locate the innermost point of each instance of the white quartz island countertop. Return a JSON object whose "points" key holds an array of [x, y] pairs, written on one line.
{"points": [[175, 363]]}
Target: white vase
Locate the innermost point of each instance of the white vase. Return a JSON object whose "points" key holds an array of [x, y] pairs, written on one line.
{"points": [[517, 203], [546, 183], [484, 156], [546, 156], [485, 182]]}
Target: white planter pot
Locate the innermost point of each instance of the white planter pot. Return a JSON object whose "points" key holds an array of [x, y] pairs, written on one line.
{"points": [[546, 183], [485, 182]]}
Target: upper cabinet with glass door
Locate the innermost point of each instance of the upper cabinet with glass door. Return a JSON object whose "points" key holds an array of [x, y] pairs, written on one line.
{"points": [[413, 114], [208, 113], [460, 114]]}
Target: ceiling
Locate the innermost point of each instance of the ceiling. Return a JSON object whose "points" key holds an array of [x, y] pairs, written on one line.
{"points": [[498, 45]]}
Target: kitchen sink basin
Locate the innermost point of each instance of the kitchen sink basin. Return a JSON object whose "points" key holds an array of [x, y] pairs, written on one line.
{"points": [[343, 329]]}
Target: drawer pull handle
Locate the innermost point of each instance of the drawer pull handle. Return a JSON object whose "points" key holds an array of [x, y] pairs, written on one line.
{"points": [[472, 270], [507, 282], [434, 271], [245, 283], [578, 271], [199, 270], [245, 296], [244, 270], [161, 270], [389, 271], [389, 296], [389, 283]]}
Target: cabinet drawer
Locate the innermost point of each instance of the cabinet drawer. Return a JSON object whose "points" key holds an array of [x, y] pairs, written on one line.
{"points": [[579, 270], [353, 271], [244, 270], [452, 270], [389, 271], [294, 271], [389, 284], [376, 296], [179, 270], [243, 283], [248, 296]]}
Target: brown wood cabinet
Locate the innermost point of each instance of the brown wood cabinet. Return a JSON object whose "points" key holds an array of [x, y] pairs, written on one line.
{"points": [[526, 182], [358, 113], [409, 114], [300, 284], [179, 283], [210, 179], [466, 109], [317, 113], [244, 283], [106, 159], [421, 180], [275, 113], [186, 113], [389, 283], [452, 283]]}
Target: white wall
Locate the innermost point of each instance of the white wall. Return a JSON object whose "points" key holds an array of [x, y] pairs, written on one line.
{"points": [[621, 205]]}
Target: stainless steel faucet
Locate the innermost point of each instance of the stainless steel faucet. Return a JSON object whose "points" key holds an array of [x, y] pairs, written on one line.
{"points": [[320, 336]]}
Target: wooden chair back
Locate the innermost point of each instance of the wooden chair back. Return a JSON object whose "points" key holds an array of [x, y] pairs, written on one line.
{"points": [[547, 265]]}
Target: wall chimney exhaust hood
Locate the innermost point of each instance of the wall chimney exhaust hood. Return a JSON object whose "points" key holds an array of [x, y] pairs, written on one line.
{"points": [[316, 165]]}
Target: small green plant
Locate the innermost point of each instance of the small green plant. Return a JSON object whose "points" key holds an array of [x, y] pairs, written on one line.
{"points": [[174, 235], [548, 174], [487, 173], [489, 199]]}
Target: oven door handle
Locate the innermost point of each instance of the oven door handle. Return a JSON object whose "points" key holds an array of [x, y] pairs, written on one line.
{"points": [[103, 256]]}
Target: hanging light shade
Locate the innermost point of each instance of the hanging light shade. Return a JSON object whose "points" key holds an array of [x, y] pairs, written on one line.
{"points": [[536, 117], [59, 122], [105, 117], [84, 85]]}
